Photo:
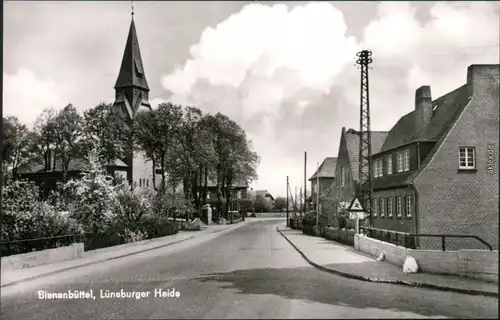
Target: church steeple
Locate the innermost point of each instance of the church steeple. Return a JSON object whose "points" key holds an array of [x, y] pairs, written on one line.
{"points": [[132, 90]]}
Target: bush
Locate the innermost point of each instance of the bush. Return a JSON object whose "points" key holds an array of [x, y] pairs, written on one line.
{"points": [[309, 219], [130, 205]]}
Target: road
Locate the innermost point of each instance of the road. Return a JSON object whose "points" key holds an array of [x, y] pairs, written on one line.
{"points": [[251, 272]]}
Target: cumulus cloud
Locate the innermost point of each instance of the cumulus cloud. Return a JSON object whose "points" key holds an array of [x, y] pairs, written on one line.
{"points": [[287, 76], [267, 53], [26, 96]]}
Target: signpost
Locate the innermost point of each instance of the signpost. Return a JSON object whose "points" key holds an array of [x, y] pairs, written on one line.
{"points": [[356, 212]]}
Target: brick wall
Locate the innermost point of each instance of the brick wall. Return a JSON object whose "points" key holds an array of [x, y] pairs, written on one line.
{"points": [[478, 264], [401, 224], [453, 201]]}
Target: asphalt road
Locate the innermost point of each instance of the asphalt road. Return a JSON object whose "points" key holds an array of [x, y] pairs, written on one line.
{"points": [[251, 272]]}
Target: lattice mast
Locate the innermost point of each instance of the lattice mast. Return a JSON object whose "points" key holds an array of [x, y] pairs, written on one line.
{"points": [[364, 58]]}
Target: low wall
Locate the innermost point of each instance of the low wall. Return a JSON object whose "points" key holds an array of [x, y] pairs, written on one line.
{"points": [[478, 264], [339, 235], [33, 259]]}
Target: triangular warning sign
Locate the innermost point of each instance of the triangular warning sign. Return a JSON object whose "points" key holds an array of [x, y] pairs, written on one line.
{"points": [[355, 206]]}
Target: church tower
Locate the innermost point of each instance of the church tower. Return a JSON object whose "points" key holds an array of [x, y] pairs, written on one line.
{"points": [[132, 92]]}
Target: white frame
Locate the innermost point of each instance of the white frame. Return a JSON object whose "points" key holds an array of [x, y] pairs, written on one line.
{"points": [[389, 212], [375, 208], [388, 163], [381, 206], [467, 151], [399, 207], [409, 206], [378, 168], [403, 158]]}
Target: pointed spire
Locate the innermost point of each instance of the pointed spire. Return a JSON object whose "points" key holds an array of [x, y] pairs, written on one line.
{"points": [[131, 70], [132, 9]]}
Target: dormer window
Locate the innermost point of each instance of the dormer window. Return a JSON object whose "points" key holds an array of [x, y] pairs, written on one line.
{"points": [[138, 67], [377, 168]]}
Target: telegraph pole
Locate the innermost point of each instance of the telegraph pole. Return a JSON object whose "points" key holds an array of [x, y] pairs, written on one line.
{"points": [[287, 220], [295, 202], [317, 196], [305, 182], [364, 58]]}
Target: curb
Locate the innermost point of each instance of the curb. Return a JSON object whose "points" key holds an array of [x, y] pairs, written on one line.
{"points": [[91, 263], [395, 282], [107, 259]]}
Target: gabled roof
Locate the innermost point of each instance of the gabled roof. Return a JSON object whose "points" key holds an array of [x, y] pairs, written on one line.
{"points": [[447, 106], [447, 110], [264, 193], [132, 69], [237, 184], [352, 144], [77, 164], [326, 169]]}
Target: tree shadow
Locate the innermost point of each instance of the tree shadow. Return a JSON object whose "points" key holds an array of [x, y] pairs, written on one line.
{"points": [[307, 284]]}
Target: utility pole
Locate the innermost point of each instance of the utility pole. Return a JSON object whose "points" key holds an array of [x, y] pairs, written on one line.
{"points": [[365, 152], [295, 201], [305, 181], [300, 201], [317, 195], [287, 220]]}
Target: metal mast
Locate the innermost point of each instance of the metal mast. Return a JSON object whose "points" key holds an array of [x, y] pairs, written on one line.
{"points": [[364, 58]]}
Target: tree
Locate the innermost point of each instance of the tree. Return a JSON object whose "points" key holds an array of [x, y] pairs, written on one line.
{"points": [[15, 144], [67, 137], [105, 128], [42, 140], [280, 203], [261, 204]]}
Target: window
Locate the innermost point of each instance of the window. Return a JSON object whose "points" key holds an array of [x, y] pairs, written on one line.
{"points": [[147, 183], [398, 206], [389, 207], [403, 161], [388, 163], [375, 211], [368, 205], [342, 176], [466, 158], [238, 195], [382, 207], [377, 168], [409, 206], [138, 67], [140, 182]]}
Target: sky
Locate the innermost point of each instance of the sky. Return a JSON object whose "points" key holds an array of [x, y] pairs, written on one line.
{"points": [[285, 72]]}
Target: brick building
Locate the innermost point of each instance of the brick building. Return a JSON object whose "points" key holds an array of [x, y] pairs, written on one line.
{"points": [[437, 171], [346, 170], [322, 181]]}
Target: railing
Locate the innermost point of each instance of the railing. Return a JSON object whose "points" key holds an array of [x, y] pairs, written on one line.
{"points": [[11, 247], [410, 240]]}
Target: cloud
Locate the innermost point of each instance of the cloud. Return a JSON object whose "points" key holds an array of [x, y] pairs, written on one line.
{"points": [[26, 96]]}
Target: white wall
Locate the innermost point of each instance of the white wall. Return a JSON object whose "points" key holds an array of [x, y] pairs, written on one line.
{"points": [[478, 264]]}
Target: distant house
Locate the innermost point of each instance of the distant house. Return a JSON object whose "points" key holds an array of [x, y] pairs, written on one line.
{"points": [[47, 177], [437, 171], [239, 191], [325, 175], [347, 168], [264, 193]]}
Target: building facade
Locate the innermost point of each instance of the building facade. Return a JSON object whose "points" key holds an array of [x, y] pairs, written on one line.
{"points": [[322, 184], [437, 171], [347, 167]]}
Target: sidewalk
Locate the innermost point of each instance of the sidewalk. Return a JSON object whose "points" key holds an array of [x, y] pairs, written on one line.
{"points": [[343, 260], [100, 255]]}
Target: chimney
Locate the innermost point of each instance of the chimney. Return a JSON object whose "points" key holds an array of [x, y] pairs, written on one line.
{"points": [[423, 108], [482, 78]]}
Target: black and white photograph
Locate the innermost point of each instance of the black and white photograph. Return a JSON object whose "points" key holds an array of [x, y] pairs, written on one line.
{"points": [[250, 159]]}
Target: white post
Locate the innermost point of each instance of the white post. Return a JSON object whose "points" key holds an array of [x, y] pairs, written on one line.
{"points": [[357, 225]]}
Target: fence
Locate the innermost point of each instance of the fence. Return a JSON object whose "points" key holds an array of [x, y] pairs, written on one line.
{"points": [[441, 242], [91, 241], [12, 247]]}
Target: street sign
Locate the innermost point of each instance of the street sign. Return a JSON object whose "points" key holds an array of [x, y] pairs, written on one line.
{"points": [[356, 215], [355, 206]]}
